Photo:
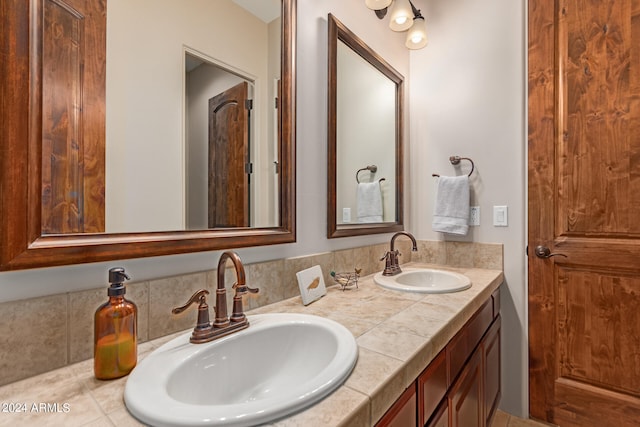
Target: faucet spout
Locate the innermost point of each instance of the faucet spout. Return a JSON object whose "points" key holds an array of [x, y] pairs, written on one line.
{"points": [[404, 233], [392, 267], [223, 325], [238, 316]]}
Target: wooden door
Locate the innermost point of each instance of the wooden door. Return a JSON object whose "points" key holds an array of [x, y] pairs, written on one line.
{"points": [[71, 36], [229, 158], [584, 212]]}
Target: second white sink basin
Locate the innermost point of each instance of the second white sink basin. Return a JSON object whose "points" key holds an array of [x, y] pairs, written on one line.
{"points": [[281, 364], [424, 280]]}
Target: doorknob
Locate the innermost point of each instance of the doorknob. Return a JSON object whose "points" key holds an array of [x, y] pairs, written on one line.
{"points": [[545, 252]]}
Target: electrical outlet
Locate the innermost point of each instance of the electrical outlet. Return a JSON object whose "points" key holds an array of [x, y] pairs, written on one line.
{"points": [[346, 215], [474, 215]]}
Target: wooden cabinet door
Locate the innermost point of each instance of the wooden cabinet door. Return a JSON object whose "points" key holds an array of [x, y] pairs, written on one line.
{"points": [[441, 416], [432, 387], [466, 403], [403, 413], [490, 349]]}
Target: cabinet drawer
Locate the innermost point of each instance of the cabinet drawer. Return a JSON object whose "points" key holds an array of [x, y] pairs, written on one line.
{"points": [[432, 387], [462, 345]]}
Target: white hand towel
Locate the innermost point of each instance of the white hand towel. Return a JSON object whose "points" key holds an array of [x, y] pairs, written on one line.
{"points": [[451, 211], [369, 199]]}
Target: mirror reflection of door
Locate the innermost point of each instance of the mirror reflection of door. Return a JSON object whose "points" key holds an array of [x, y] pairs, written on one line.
{"points": [[220, 136], [229, 166]]}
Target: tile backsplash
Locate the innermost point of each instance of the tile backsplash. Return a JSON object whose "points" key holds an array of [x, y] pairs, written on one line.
{"points": [[46, 333]]}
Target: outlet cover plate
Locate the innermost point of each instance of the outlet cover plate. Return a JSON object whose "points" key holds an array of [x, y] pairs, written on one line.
{"points": [[474, 215]]}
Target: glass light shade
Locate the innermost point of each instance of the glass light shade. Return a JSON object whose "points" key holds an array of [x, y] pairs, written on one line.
{"points": [[417, 35], [377, 4], [401, 15]]}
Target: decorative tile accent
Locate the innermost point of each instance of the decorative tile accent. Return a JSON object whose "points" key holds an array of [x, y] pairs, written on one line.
{"points": [[166, 294], [58, 330], [34, 337], [268, 277], [432, 252]]}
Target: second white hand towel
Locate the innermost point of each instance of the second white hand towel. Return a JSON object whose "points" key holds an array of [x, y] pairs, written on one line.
{"points": [[369, 199], [451, 211]]}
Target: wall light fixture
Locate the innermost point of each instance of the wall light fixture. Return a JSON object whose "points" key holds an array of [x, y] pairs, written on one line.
{"points": [[403, 16]]}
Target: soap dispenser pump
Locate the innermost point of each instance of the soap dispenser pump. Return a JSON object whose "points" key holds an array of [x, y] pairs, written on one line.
{"points": [[115, 331]]}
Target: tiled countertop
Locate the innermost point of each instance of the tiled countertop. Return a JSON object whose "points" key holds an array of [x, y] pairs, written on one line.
{"points": [[398, 334]]}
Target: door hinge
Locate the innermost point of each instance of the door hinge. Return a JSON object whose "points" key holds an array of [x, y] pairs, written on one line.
{"points": [[249, 104], [248, 167]]}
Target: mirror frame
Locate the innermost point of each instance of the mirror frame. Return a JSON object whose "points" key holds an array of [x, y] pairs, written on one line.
{"points": [[338, 31], [22, 244]]}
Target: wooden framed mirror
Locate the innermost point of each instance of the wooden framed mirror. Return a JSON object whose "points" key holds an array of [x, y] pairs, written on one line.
{"points": [[37, 230], [365, 138]]}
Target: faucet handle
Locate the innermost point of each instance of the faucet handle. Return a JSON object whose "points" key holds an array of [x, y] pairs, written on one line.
{"points": [[203, 309], [244, 289]]}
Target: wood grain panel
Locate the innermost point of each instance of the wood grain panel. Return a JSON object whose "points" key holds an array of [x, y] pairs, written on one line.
{"points": [[598, 111], [62, 179], [598, 320], [73, 131], [541, 153], [583, 405]]}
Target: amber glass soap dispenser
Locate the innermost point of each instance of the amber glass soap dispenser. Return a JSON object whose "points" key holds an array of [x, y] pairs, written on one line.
{"points": [[115, 331]]}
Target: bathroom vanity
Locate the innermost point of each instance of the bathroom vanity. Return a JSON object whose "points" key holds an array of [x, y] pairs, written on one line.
{"points": [[431, 359], [461, 386]]}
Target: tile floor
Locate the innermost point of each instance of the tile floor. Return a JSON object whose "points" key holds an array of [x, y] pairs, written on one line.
{"points": [[502, 419]]}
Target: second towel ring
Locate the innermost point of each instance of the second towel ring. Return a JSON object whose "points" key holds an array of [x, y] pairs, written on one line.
{"points": [[456, 160]]}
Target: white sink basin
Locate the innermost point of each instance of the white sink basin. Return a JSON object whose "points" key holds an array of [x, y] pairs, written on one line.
{"points": [[424, 280], [281, 364]]}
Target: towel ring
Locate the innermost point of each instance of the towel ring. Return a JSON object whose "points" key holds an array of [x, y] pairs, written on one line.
{"points": [[456, 160], [370, 168]]}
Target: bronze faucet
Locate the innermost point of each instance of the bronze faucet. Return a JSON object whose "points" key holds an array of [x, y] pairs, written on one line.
{"points": [[391, 267], [206, 331]]}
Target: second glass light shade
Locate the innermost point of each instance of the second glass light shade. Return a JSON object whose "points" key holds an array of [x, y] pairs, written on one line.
{"points": [[417, 35]]}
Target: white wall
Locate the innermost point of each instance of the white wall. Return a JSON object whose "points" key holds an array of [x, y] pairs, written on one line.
{"points": [[468, 98]]}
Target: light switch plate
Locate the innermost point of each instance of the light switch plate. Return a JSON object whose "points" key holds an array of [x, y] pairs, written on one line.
{"points": [[500, 216]]}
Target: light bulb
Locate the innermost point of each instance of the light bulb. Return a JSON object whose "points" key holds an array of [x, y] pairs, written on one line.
{"points": [[401, 14], [401, 20]]}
